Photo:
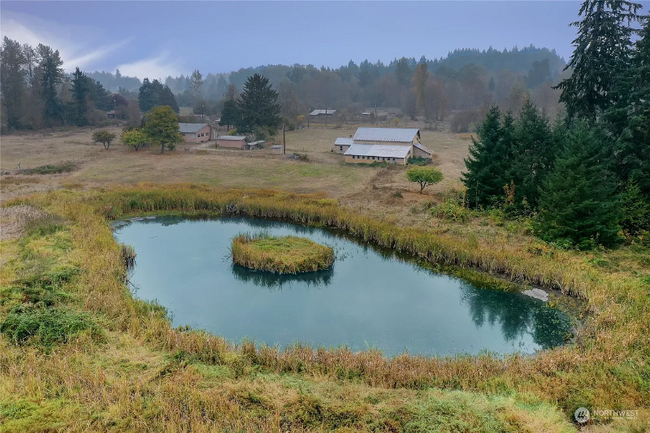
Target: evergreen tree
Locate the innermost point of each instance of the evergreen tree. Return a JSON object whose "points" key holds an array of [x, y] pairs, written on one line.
{"points": [[602, 51], [489, 159], [51, 76], [12, 86], [578, 203], [628, 120], [167, 98], [146, 96], [534, 154], [229, 114], [258, 106], [79, 95]]}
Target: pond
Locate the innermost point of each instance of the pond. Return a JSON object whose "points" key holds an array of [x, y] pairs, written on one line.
{"points": [[368, 299]]}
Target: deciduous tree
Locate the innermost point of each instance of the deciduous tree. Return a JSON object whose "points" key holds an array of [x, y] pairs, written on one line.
{"points": [[161, 126], [104, 137], [424, 176]]}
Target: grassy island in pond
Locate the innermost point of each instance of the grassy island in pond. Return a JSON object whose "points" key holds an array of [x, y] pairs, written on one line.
{"points": [[281, 255]]}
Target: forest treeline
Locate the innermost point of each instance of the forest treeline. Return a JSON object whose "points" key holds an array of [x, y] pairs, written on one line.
{"points": [[463, 81], [37, 93], [585, 178]]}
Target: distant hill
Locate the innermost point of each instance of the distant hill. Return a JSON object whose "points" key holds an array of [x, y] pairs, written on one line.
{"points": [[515, 60]]}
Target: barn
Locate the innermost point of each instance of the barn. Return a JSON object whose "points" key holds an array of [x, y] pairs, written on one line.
{"points": [[392, 145]]}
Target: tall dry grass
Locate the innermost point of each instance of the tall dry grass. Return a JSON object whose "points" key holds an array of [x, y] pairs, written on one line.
{"points": [[607, 366]]}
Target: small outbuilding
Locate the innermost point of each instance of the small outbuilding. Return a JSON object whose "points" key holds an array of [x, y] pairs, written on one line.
{"points": [[231, 141], [419, 151], [254, 144], [277, 148], [318, 113], [342, 144], [196, 132]]}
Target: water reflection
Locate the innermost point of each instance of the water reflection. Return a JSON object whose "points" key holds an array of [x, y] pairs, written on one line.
{"points": [[517, 315], [271, 281]]}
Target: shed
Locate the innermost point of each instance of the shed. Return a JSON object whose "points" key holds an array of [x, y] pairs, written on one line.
{"points": [[342, 144], [419, 151], [254, 144], [196, 132], [322, 113], [277, 148], [231, 141]]}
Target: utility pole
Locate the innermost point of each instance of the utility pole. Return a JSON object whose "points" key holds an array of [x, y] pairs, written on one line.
{"points": [[201, 112], [308, 116], [325, 111]]}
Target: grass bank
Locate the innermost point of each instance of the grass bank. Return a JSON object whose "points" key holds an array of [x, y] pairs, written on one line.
{"points": [[126, 368], [280, 255]]}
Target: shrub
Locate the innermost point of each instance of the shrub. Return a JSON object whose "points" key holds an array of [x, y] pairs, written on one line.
{"points": [[44, 326], [63, 167], [450, 210], [104, 137], [418, 160]]}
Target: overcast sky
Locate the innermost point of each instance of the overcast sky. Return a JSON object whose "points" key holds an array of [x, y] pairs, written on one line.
{"points": [[157, 39]]}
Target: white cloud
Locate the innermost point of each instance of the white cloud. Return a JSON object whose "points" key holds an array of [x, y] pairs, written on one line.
{"points": [[155, 67], [31, 30]]}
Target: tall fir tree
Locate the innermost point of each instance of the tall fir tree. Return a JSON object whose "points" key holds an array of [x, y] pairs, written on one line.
{"points": [[79, 95], [488, 161], [534, 155], [146, 96], [578, 203], [13, 85], [603, 49], [51, 70], [258, 106], [628, 120]]}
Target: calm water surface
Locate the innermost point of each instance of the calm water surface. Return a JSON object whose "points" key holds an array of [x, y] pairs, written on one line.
{"points": [[367, 300]]}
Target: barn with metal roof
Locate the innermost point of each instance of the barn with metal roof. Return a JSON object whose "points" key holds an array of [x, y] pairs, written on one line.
{"points": [[389, 135], [369, 153]]}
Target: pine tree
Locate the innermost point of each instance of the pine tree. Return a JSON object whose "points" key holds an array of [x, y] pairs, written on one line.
{"points": [[488, 160], [79, 94], [602, 51], [258, 106], [578, 203], [534, 154]]}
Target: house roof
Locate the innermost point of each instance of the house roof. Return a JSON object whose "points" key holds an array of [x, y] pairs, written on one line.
{"points": [[422, 148], [231, 137], [191, 128], [394, 135], [380, 150], [343, 141], [319, 112]]}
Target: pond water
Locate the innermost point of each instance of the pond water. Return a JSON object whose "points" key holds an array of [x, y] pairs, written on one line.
{"points": [[368, 299]]}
